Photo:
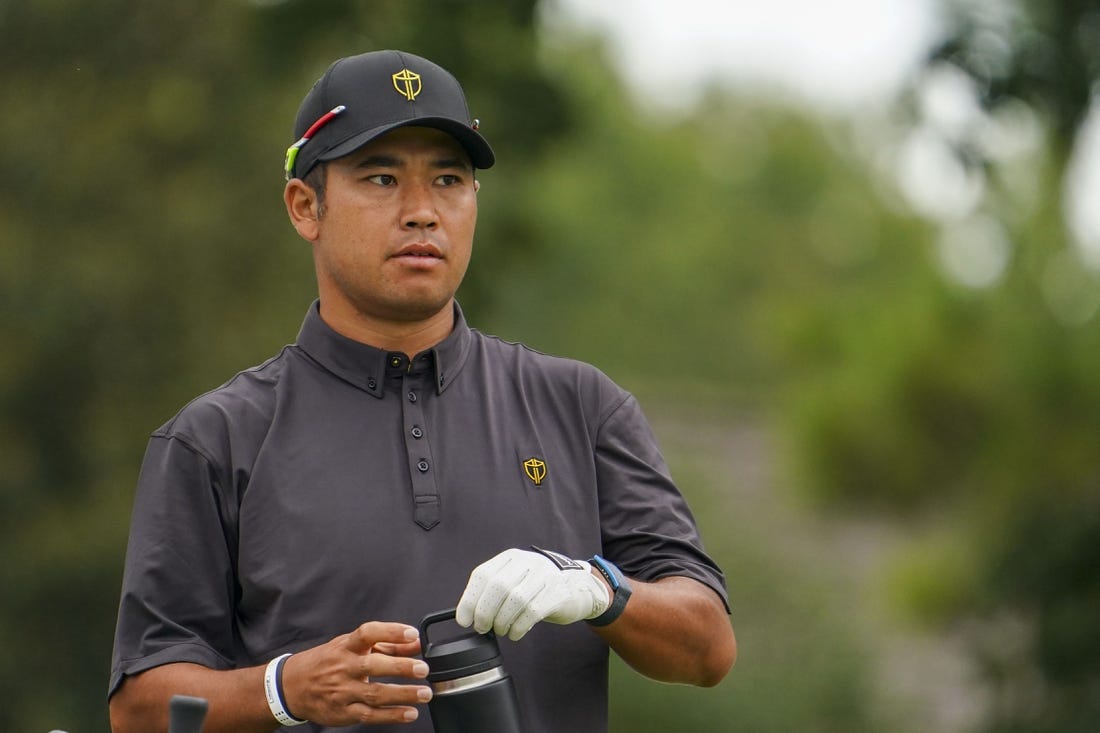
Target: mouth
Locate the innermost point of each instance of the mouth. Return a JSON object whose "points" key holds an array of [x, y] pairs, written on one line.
{"points": [[419, 257], [419, 250]]}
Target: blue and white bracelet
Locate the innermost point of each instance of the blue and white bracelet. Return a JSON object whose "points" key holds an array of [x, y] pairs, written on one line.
{"points": [[273, 686]]}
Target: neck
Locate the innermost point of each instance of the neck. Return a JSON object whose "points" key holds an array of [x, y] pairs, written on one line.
{"points": [[407, 337]]}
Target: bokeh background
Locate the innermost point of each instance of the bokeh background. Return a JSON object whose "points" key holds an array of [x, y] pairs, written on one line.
{"points": [[866, 332]]}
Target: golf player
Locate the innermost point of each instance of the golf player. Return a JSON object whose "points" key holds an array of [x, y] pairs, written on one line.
{"points": [[291, 527]]}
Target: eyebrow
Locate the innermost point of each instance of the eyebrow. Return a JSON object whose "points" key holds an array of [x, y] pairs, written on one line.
{"points": [[383, 160], [454, 162], [379, 161]]}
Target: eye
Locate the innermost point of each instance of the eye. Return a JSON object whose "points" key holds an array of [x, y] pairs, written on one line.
{"points": [[382, 179], [449, 179]]}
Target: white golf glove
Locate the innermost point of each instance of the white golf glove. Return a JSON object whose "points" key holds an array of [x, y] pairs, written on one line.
{"points": [[518, 588]]}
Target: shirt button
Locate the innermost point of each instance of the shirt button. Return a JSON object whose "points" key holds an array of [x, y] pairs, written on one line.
{"points": [[396, 361], [422, 467], [417, 432], [371, 384], [412, 396]]}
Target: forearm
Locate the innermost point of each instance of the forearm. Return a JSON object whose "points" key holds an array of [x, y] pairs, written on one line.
{"points": [[330, 684], [674, 630], [236, 697]]}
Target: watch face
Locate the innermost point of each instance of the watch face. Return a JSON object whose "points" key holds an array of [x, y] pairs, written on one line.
{"points": [[614, 576]]}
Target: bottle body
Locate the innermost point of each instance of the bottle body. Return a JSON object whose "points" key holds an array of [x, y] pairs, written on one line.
{"points": [[490, 707]]}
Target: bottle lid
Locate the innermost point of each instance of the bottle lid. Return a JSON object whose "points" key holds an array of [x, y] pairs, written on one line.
{"points": [[459, 656]]}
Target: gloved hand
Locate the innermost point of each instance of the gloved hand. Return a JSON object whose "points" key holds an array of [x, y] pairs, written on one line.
{"points": [[518, 588]]}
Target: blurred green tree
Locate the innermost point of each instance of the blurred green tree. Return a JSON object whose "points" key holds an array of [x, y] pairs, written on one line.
{"points": [[1045, 54], [978, 408]]}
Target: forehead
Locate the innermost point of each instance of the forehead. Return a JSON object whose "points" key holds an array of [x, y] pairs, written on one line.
{"points": [[407, 142]]}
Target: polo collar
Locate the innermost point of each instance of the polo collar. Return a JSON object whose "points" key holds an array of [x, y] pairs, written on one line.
{"points": [[364, 366]]}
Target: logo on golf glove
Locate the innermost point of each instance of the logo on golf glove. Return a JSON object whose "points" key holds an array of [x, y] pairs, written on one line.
{"points": [[513, 591]]}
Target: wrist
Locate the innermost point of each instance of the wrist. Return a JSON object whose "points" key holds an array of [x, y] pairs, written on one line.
{"points": [[598, 574], [273, 689], [620, 590]]}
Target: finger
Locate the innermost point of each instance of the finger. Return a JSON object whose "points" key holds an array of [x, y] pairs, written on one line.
{"points": [[475, 587], [541, 608], [388, 703], [509, 576], [367, 635], [410, 649], [464, 611], [525, 621], [522, 625], [386, 694], [380, 716], [516, 603], [382, 665]]}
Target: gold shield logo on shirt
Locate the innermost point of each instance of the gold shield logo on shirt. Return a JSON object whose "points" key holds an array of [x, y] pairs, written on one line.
{"points": [[407, 84], [535, 470]]}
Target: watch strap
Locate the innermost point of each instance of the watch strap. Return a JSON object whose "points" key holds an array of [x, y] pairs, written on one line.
{"points": [[620, 588]]}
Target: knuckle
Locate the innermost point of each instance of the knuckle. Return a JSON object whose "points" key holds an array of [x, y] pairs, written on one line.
{"points": [[536, 609], [368, 716], [373, 696], [513, 604], [497, 588]]}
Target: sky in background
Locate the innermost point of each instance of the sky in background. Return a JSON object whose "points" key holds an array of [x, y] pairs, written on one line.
{"points": [[836, 53], [838, 56]]}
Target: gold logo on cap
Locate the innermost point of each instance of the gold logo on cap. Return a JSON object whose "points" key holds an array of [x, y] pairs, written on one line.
{"points": [[407, 84], [535, 470]]}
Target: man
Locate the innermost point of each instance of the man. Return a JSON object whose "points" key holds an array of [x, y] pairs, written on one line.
{"points": [[292, 527]]}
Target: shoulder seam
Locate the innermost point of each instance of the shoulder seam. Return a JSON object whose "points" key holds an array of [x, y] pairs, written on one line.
{"points": [[187, 442], [615, 408]]}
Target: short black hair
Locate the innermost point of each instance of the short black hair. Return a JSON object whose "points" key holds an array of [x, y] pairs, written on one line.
{"points": [[316, 179]]}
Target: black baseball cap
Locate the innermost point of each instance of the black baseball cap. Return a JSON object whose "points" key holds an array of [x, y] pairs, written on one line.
{"points": [[362, 97]]}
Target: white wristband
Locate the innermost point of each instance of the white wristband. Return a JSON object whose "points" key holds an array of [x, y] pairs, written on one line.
{"points": [[273, 688]]}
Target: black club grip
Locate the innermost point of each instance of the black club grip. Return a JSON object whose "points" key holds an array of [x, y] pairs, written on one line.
{"points": [[186, 714]]}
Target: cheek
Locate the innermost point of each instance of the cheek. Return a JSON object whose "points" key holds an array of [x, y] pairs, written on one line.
{"points": [[465, 241], [352, 231], [469, 220], [344, 248]]}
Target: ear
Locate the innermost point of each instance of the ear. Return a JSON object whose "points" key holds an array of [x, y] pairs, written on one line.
{"points": [[477, 185], [302, 208]]}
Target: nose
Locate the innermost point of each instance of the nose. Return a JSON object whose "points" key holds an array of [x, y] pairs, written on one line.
{"points": [[418, 207]]}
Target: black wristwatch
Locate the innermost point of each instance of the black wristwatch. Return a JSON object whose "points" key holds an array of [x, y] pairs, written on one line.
{"points": [[620, 587]]}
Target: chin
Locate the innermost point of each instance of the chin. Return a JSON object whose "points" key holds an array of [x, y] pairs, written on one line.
{"points": [[417, 310]]}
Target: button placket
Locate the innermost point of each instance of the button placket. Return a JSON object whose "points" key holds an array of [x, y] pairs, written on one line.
{"points": [[426, 503]]}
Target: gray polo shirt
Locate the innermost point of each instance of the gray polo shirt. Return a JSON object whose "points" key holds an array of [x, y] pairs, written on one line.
{"points": [[337, 483]]}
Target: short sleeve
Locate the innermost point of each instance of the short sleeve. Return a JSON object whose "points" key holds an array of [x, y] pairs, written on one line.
{"points": [[647, 528], [178, 587]]}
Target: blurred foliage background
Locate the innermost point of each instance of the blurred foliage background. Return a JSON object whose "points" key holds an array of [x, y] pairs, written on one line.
{"points": [[885, 414]]}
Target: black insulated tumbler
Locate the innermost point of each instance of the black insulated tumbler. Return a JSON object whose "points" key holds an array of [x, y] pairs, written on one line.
{"points": [[472, 692]]}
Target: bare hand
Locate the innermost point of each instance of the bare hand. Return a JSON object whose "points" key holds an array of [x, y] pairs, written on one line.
{"points": [[332, 684]]}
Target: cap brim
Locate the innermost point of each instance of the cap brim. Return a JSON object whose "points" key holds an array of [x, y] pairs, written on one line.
{"points": [[481, 155]]}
